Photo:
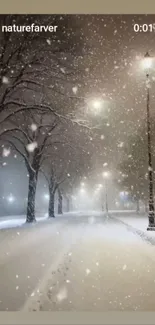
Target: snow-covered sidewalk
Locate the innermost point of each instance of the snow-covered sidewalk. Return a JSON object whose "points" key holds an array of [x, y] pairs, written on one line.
{"points": [[137, 222]]}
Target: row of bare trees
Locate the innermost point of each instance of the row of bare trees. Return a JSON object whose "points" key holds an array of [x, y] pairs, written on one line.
{"points": [[38, 110]]}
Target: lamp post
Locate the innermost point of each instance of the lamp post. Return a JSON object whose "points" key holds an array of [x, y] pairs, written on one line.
{"points": [[105, 176], [151, 216]]}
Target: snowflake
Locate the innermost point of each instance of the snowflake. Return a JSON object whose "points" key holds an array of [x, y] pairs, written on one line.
{"points": [[150, 169], [4, 164], [68, 175], [62, 70], [48, 41], [33, 127], [105, 164], [102, 137], [17, 276], [75, 89], [124, 267], [120, 145], [17, 287], [97, 263], [31, 146], [5, 80], [88, 271], [6, 152]]}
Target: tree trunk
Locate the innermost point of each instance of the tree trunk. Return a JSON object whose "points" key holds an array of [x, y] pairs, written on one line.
{"points": [[59, 202], [68, 204], [51, 205], [137, 209], [31, 197]]}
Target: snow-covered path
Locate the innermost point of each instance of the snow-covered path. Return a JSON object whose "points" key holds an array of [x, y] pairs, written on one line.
{"points": [[78, 263]]}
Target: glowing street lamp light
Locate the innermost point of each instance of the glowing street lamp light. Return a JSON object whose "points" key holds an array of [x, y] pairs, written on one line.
{"points": [[147, 64], [106, 174], [95, 105], [11, 199]]}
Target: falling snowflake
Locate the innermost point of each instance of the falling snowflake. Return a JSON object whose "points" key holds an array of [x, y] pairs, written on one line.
{"points": [[5, 80], [33, 127], [124, 267], [6, 152], [88, 271], [31, 146], [48, 41], [105, 164], [32, 294], [17, 276], [150, 169], [120, 145], [4, 164], [63, 70], [62, 294], [68, 175], [17, 287], [67, 281], [75, 89], [97, 263], [102, 137]]}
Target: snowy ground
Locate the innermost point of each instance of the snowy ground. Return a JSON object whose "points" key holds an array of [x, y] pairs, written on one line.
{"points": [[83, 262], [139, 223]]}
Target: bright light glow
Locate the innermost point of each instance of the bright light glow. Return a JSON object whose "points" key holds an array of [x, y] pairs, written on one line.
{"points": [[46, 196], [95, 106], [82, 184], [106, 174], [147, 63], [124, 193], [11, 199], [82, 190]]}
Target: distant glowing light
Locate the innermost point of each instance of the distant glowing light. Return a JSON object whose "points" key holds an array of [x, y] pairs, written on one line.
{"points": [[46, 196], [106, 174], [11, 199], [82, 190]]}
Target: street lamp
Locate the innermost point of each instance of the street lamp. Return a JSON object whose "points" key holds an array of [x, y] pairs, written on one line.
{"points": [[106, 176], [147, 63]]}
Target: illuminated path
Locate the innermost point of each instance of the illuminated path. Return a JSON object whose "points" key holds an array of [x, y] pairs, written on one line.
{"points": [[76, 263]]}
